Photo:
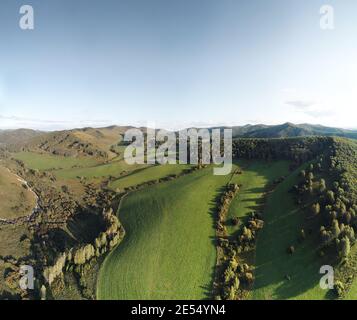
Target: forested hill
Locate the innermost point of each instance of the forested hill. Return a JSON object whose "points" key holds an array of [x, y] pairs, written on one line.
{"points": [[287, 130], [33, 138], [325, 192]]}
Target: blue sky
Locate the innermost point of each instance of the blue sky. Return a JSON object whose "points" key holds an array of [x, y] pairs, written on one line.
{"points": [[177, 63]]}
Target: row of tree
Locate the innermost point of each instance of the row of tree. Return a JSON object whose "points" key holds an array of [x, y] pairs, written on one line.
{"points": [[234, 275], [80, 255], [223, 205]]}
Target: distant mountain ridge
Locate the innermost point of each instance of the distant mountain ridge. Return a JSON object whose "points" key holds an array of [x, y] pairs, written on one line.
{"points": [[102, 142], [287, 130], [16, 136]]}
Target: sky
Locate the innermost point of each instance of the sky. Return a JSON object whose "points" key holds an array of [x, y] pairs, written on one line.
{"points": [[177, 63]]}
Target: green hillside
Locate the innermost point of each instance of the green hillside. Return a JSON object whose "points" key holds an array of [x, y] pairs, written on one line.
{"points": [[278, 274], [160, 219], [45, 161], [168, 250], [262, 232], [255, 177], [288, 129], [16, 199], [151, 173]]}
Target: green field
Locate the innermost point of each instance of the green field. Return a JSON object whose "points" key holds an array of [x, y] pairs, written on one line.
{"points": [[41, 161], [283, 221], [176, 214], [114, 168], [168, 251], [254, 179], [72, 168], [148, 174], [173, 215]]}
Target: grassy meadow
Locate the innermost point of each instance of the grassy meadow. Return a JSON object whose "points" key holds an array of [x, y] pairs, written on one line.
{"points": [[41, 161], [72, 167], [278, 274], [148, 174], [255, 177], [168, 251], [114, 168], [16, 201], [172, 215]]}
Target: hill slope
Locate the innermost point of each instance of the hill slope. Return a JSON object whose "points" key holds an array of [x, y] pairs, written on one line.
{"points": [[288, 130], [98, 143], [16, 199], [167, 252], [19, 136]]}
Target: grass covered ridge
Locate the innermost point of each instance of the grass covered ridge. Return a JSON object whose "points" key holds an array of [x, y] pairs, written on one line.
{"points": [[44, 161], [168, 251], [170, 225], [279, 275], [16, 199]]}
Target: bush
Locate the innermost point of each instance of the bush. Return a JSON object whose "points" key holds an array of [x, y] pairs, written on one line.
{"points": [[339, 288], [315, 209], [235, 221]]}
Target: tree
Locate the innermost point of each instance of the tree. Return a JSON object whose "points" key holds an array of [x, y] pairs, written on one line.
{"points": [[322, 185], [330, 197], [339, 288], [335, 229], [348, 217], [336, 185], [43, 292], [349, 233], [235, 221], [315, 208], [231, 293], [236, 283], [65, 189], [310, 176], [79, 256], [345, 247], [247, 234]]}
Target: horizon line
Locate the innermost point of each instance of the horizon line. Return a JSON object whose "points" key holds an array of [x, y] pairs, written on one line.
{"points": [[141, 126]]}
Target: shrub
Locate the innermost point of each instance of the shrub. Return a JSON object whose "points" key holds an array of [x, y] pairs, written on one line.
{"points": [[344, 247], [315, 209], [339, 288], [235, 221]]}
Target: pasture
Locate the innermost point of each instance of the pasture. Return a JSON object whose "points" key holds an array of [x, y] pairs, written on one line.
{"points": [[168, 251]]}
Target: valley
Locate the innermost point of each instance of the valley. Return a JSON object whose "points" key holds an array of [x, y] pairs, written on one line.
{"points": [[109, 230]]}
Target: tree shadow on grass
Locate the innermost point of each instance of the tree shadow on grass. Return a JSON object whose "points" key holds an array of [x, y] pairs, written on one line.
{"points": [[85, 226], [294, 274], [213, 212], [254, 190]]}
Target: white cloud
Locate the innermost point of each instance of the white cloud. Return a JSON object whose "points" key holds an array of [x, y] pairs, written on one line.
{"points": [[301, 104]]}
